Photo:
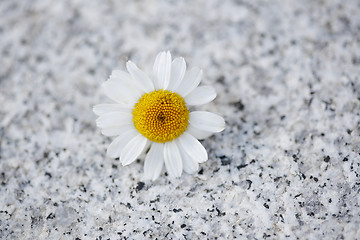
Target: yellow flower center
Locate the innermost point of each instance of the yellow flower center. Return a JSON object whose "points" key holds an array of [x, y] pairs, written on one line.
{"points": [[161, 116]]}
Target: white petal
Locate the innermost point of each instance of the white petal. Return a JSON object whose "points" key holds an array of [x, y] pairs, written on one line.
{"points": [[120, 75], [146, 149], [124, 78], [191, 80], [156, 66], [201, 95], [120, 93], [113, 119], [127, 80], [115, 131], [197, 133], [133, 149], [172, 159], [162, 70], [207, 121], [105, 108], [190, 165], [178, 69], [142, 80], [193, 147], [154, 161], [117, 145]]}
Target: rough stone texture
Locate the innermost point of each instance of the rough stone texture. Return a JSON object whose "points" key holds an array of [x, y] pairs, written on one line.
{"points": [[287, 77]]}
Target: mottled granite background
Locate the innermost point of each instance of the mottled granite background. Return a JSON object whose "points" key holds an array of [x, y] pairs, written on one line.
{"points": [[287, 76]]}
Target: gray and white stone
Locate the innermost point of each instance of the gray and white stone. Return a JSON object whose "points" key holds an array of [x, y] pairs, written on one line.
{"points": [[287, 77]]}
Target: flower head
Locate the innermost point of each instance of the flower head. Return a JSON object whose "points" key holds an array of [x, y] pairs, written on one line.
{"points": [[153, 112]]}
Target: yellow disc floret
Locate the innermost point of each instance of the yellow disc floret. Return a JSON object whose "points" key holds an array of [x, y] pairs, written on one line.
{"points": [[161, 116]]}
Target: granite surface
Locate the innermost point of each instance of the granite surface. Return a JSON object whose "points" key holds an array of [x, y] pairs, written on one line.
{"points": [[287, 76]]}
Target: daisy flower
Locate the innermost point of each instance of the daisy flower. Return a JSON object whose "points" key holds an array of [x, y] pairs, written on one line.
{"points": [[153, 113]]}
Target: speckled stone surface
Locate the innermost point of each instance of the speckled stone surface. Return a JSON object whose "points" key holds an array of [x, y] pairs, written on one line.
{"points": [[287, 75]]}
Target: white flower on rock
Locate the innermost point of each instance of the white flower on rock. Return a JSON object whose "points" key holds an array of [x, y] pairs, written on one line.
{"points": [[154, 113]]}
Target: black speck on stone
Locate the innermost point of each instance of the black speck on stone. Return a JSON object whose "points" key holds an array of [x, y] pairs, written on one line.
{"points": [[298, 195], [327, 159], [221, 79], [201, 171], [157, 199], [250, 182], [140, 186], [225, 160], [183, 225], [177, 210], [77, 238], [241, 166], [50, 216], [82, 188], [316, 179], [277, 179], [46, 154], [219, 213], [239, 105], [345, 159], [48, 174], [266, 205], [265, 235]]}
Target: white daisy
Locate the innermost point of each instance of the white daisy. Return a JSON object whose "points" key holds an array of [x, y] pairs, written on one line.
{"points": [[154, 113]]}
